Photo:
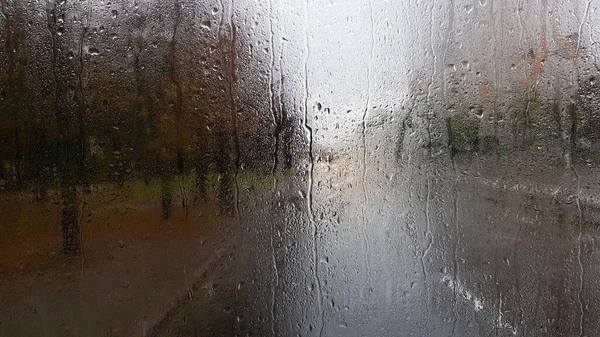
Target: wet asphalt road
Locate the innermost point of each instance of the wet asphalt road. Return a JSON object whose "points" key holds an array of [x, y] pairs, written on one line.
{"points": [[463, 249]]}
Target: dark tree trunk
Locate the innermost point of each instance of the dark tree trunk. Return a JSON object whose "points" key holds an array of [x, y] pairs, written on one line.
{"points": [[70, 220], [288, 135], [224, 168], [166, 197], [202, 159], [70, 149], [201, 173]]}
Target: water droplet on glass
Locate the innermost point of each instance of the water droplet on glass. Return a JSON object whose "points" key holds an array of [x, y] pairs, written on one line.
{"points": [[469, 8], [114, 14], [206, 24], [465, 64], [93, 51], [479, 112]]}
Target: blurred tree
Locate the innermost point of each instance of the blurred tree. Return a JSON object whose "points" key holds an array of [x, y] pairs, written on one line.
{"points": [[68, 108], [87, 100]]}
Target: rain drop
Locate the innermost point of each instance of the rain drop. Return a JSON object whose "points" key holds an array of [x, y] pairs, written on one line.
{"points": [[479, 112], [206, 24], [93, 51]]}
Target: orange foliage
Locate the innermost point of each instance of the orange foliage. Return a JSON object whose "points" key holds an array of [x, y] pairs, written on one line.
{"points": [[484, 90]]}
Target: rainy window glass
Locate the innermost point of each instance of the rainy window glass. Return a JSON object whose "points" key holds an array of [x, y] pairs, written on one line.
{"points": [[299, 168]]}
